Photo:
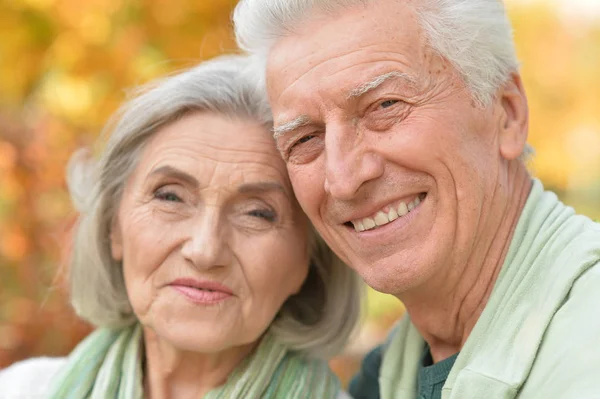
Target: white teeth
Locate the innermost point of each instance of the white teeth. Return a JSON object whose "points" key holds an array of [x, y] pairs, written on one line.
{"points": [[381, 219], [369, 223], [402, 209], [358, 226]]}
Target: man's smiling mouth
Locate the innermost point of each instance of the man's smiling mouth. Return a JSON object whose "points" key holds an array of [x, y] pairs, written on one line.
{"points": [[387, 214]]}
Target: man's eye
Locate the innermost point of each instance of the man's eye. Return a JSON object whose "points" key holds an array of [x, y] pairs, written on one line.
{"points": [[266, 214], [388, 103], [305, 139], [301, 141]]}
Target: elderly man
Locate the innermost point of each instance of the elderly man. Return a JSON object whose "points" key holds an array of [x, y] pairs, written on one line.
{"points": [[403, 125]]}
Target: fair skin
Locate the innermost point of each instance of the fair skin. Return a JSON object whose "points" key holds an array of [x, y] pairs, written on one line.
{"points": [[209, 203], [367, 118]]}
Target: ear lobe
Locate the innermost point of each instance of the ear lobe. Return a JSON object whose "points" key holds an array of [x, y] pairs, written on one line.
{"points": [[515, 118], [116, 241]]}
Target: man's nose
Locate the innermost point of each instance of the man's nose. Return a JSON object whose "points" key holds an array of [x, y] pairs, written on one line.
{"points": [[349, 163], [206, 244]]}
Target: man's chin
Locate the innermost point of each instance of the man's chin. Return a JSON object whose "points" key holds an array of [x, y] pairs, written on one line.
{"points": [[389, 279]]}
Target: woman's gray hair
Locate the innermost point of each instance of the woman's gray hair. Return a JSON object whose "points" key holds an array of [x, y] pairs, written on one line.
{"points": [[475, 36], [317, 321]]}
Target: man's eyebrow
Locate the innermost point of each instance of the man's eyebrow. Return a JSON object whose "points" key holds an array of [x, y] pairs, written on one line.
{"points": [[292, 125], [170, 171], [378, 81], [304, 120], [261, 187]]}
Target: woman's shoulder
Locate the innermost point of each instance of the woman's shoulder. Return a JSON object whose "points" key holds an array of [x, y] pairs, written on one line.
{"points": [[30, 378]]}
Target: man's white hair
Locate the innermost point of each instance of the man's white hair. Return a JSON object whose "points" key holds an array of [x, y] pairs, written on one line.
{"points": [[475, 36]]}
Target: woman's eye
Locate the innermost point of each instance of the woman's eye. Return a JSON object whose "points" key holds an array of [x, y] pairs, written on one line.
{"points": [[388, 103], [266, 214], [167, 196]]}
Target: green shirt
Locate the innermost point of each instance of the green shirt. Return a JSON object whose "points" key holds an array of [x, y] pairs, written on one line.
{"points": [[432, 376], [538, 335], [365, 384]]}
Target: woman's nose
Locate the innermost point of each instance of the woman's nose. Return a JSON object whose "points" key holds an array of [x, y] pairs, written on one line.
{"points": [[206, 244]]}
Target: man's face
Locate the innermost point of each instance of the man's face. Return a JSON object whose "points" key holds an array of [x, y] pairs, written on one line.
{"points": [[387, 152]]}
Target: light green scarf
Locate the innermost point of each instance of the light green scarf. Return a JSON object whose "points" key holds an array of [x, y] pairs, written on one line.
{"points": [[108, 364]]}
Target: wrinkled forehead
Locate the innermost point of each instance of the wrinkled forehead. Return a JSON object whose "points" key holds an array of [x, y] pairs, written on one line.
{"points": [[360, 42], [205, 144]]}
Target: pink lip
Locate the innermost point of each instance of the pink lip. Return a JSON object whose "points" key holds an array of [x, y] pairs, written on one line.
{"points": [[202, 292]]}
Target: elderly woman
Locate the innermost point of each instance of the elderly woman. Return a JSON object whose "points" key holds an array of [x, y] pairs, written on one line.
{"points": [[194, 260]]}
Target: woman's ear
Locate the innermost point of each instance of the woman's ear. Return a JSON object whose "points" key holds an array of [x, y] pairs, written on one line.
{"points": [[514, 123], [116, 240]]}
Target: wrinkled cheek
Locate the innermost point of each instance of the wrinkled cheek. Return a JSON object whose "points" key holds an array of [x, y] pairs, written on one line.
{"points": [[139, 289], [308, 189], [276, 289]]}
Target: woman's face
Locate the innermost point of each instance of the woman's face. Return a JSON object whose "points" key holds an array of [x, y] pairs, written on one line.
{"points": [[209, 233]]}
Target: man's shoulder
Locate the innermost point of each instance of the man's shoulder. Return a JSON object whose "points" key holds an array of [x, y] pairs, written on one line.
{"points": [[583, 296], [575, 237], [585, 234], [566, 260], [567, 363], [577, 314], [29, 378], [577, 259]]}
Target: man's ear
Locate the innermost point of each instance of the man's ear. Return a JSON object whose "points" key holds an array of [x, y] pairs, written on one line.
{"points": [[514, 121], [116, 240]]}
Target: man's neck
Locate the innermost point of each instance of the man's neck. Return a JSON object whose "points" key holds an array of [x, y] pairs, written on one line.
{"points": [[446, 309], [173, 373]]}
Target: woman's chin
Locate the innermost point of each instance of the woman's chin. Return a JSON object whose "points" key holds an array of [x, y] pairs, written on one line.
{"points": [[202, 336]]}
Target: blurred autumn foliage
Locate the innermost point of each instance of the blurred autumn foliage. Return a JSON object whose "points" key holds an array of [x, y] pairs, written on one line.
{"points": [[65, 66]]}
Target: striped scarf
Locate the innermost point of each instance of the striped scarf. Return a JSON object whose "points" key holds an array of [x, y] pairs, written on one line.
{"points": [[108, 364]]}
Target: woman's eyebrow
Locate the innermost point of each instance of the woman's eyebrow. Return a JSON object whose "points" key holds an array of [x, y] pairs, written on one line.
{"points": [[170, 171]]}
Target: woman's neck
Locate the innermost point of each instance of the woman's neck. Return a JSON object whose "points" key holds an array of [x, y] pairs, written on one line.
{"points": [[170, 372]]}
